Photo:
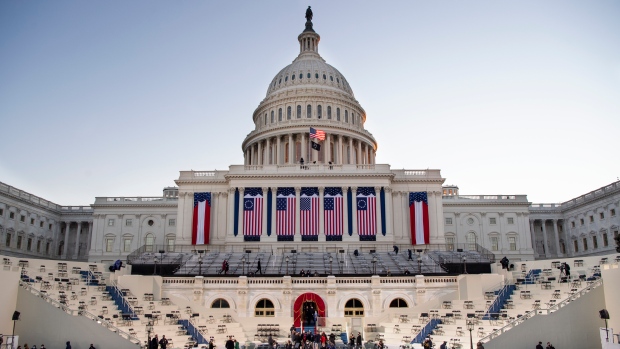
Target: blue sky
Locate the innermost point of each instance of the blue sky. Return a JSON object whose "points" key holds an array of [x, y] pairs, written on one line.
{"points": [[114, 98]]}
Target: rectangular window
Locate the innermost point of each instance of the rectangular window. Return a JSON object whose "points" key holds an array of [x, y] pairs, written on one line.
{"points": [[22, 218], [126, 245], [109, 243], [12, 215], [494, 243], [512, 241], [110, 222], [575, 245], [170, 244], [605, 240], [47, 248], [172, 222], [493, 220], [7, 242], [450, 243], [29, 245], [585, 244], [19, 242], [49, 226], [39, 246], [594, 242], [511, 220], [128, 222], [612, 212], [591, 219], [31, 221], [581, 221], [615, 234], [1, 212], [572, 224], [448, 221], [601, 215], [41, 224]]}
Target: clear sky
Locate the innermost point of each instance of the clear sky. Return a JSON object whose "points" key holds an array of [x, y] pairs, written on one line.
{"points": [[114, 98]]}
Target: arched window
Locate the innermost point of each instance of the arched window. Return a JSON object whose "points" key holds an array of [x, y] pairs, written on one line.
{"points": [[264, 307], [309, 111], [398, 303], [293, 77], [149, 242], [309, 75], [337, 114], [272, 117], [316, 75], [346, 116], [353, 118], [301, 76], [265, 118], [471, 241], [299, 111], [289, 113], [353, 308], [329, 112], [319, 111], [280, 114], [286, 78], [220, 303], [324, 77]]}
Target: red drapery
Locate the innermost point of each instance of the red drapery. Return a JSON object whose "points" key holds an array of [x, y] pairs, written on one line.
{"points": [[299, 304]]}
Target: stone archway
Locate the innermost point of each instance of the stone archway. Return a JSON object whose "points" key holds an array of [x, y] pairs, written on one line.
{"points": [[298, 307]]}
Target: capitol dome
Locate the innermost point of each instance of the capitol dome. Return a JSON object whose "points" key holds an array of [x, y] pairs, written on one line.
{"points": [[309, 93]]}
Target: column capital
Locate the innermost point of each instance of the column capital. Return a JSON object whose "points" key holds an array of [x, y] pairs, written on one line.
{"points": [[501, 214], [377, 190], [232, 191], [387, 189], [297, 190], [354, 190], [321, 190], [265, 189]]}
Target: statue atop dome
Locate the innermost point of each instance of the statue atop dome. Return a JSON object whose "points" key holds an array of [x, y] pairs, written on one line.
{"points": [[309, 20]]}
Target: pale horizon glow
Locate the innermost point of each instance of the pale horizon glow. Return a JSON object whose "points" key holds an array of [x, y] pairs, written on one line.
{"points": [[115, 98]]}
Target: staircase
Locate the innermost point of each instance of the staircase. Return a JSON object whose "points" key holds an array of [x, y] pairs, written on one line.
{"points": [[427, 330], [502, 296], [120, 301], [193, 331]]}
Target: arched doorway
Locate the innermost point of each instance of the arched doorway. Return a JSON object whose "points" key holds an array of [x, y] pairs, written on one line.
{"points": [[304, 308]]}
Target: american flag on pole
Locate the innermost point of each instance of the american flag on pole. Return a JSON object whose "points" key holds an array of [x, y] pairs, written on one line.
{"points": [[285, 212], [318, 134], [418, 211], [202, 218], [252, 212], [366, 211], [309, 211], [332, 207]]}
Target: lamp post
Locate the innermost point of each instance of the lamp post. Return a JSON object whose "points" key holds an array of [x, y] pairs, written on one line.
{"points": [[243, 264], [331, 259], [419, 265], [470, 327], [200, 264], [149, 329], [287, 260], [155, 269], [464, 265], [374, 265]]}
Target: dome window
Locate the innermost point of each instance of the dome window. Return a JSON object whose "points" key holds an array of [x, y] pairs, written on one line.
{"points": [[329, 112], [299, 111], [301, 76], [331, 78], [280, 81], [265, 118], [309, 111], [324, 77], [319, 111], [353, 118], [338, 81], [280, 114], [346, 116], [309, 75], [337, 114], [316, 75], [272, 117], [289, 112], [286, 78], [293, 77]]}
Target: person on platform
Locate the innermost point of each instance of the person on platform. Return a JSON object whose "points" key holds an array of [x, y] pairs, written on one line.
{"points": [[479, 345], [258, 268], [154, 342], [211, 344], [230, 344], [358, 341], [410, 255], [444, 345], [91, 346], [549, 346], [539, 345], [163, 342], [68, 346], [395, 249]]}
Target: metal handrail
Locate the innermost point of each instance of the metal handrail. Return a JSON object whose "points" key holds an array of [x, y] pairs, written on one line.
{"points": [[535, 312], [84, 313]]}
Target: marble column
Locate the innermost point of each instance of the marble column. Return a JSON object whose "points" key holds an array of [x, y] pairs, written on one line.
{"points": [[65, 246], [240, 231], [297, 223], [278, 152], [557, 237], [231, 213], [304, 146], [350, 152], [339, 160], [321, 214], [264, 227], [328, 147], [389, 231], [76, 253], [545, 241], [354, 214], [291, 149], [260, 153], [345, 213], [378, 219], [533, 238], [358, 159]]}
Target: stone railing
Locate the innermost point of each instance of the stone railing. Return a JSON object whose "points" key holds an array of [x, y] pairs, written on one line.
{"points": [[504, 198], [134, 200], [306, 281], [588, 197], [5, 188]]}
